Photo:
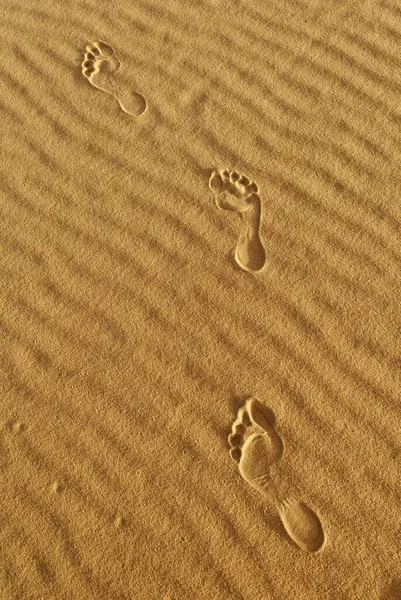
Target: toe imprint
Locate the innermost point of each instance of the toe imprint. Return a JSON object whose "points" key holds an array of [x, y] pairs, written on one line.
{"points": [[104, 48], [93, 49], [235, 454], [239, 194]]}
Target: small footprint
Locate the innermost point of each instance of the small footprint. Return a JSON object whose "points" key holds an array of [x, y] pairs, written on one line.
{"points": [[255, 446], [237, 193], [99, 65]]}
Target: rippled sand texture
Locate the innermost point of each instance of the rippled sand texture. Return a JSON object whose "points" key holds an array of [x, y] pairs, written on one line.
{"points": [[136, 317]]}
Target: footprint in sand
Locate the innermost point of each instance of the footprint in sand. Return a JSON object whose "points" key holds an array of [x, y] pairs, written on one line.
{"points": [[237, 193], [255, 445], [99, 66]]}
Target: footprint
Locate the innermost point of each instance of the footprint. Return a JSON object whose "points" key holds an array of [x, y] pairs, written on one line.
{"points": [[255, 446], [99, 65], [237, 193]]}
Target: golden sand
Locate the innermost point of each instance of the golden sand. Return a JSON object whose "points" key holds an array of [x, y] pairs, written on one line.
{"points": [[200, 307]]}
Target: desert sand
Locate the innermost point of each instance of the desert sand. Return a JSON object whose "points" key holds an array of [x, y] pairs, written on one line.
{"points": [[200, 300]]}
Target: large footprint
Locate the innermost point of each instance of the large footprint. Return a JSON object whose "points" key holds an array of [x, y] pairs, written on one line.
{"points": [[255, 445], [237, 193], [99, 66]]}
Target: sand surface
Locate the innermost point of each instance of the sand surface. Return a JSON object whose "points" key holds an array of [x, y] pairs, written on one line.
{"points": [[131, 332]]}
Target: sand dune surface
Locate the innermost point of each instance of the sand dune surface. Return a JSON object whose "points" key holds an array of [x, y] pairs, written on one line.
{"points": [[200, 253]]}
